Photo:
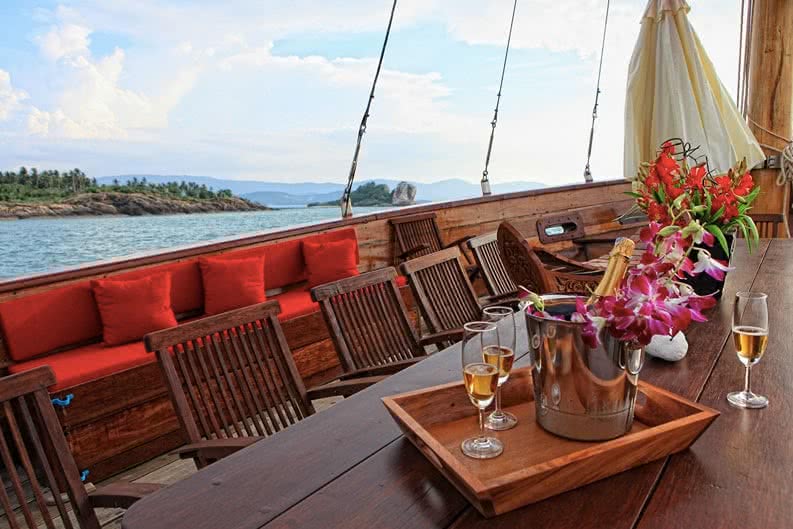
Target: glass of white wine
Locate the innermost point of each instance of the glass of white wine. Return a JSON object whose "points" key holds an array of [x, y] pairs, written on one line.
{"points": [[481, 382], [501, 356], [750, 334]]}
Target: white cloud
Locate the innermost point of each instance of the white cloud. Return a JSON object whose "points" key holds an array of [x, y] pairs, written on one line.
{"points": [[10, 98], [94, 104], [65, 41]]}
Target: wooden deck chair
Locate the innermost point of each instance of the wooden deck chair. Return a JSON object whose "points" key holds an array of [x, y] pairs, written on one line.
{"points": [[528, 271], [37, 462], [370, 326], [232, 380], [417, 235], [485, 251], [444, 293], [770, 226]]}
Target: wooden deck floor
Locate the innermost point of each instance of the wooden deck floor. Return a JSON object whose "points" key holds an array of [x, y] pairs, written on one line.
{"points": [[166, 469]]}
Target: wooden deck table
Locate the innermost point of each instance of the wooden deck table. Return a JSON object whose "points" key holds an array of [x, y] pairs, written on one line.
{"points": [[349, 467]]}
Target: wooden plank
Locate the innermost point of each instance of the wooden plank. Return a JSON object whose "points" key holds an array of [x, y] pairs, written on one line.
{"points": [[740, 469], [113, 435], [348, 433]]}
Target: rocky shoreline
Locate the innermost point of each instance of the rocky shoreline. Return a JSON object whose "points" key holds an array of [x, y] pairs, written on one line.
{"points": [[132, 204]]}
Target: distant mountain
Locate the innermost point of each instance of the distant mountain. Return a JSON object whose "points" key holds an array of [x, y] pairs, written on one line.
{"points": [[289, 194]]}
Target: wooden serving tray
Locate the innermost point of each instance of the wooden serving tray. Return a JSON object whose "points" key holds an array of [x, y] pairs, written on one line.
{"points": [[536, 464]]}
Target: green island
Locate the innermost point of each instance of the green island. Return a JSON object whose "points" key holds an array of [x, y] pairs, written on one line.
{"points": [[31, 193], [373, 194]]}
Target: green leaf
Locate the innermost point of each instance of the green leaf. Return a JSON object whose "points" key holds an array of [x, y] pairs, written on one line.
{"points": [[632, 194], [716, 231], [752, 195], [716, 216], [661, 194], [669, 230], [741, 222], [752, 229]]}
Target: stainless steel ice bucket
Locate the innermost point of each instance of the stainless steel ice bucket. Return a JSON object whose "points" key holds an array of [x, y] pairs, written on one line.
{"points": [[580, 392]]}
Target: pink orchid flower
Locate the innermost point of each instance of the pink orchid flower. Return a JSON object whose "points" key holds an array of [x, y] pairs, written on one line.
{"points": [[713, 267]]}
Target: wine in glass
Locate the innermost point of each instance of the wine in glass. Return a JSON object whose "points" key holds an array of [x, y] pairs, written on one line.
{"points": [[481, 382], [750, 335], [502, 356]]}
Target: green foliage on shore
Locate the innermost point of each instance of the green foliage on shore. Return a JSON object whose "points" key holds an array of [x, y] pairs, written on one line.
{"points": [[368, 194], [30, 185]]}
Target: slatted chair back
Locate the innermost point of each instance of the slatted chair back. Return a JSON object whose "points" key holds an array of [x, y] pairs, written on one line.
{"points": [[37, 459], [485, 251], [231, 375], [442, 290], [368, 320], [528, 271], [417, 235], [770, 226]]}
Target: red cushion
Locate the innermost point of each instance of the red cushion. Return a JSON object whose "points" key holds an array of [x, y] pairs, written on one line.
{"points": [[36, 324], [295, 303], [187, 293], [231, 283], [132, 308], [329, 261], [89, 362]]}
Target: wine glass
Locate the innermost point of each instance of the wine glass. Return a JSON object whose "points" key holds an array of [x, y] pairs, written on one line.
{"points": [[501, 356], [481, 382], [750, 334]]}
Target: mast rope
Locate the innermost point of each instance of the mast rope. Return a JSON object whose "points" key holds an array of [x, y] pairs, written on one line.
{"points": [[485, 180], [346, 202], [587, 170]]}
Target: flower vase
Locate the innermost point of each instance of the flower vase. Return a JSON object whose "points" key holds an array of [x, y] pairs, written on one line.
{"points": [[703, 284]]}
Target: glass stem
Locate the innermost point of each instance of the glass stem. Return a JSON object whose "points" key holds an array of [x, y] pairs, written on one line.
{"points": [[747, 380], [482, 434], [498, 400]]}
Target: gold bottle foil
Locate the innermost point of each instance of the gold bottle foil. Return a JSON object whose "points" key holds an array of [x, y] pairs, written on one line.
{"points": [[619, 258]]}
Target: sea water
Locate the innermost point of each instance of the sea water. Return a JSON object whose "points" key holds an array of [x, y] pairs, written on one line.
{"points": [[32, 246]]}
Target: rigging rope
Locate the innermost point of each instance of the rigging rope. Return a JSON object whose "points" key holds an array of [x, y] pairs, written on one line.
{"points": [[346, 202], [587, 170], [485, 180]]}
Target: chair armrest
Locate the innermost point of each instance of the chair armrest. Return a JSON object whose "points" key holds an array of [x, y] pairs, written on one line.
{"points": [[451, 335], [121, 494], [214, 449], [387, 369], [510, 299], [342, 388], [407, 254]]}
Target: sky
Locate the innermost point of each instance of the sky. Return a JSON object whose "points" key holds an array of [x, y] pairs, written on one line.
{"points": [[273, 90]]}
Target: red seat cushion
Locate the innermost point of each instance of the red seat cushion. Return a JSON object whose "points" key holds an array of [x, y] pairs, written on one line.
{"points": [[89, 362], [295, 303], [328, 261], [36, 324], [131, 308], [231, 283]]}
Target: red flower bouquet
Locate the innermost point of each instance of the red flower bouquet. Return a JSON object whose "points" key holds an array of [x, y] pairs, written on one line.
{"points": [[676, 190]]}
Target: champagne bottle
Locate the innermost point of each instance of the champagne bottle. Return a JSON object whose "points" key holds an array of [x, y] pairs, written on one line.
{"points": [[619, 258]]}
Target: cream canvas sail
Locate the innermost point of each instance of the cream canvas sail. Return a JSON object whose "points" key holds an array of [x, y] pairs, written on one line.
{"points": [[674, 92]]}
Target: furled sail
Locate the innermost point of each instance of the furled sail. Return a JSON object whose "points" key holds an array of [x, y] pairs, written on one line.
{"points": [[674, 92]]}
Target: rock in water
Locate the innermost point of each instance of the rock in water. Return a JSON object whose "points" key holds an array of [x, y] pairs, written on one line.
{"points": [[404, 194], [666, 348]]}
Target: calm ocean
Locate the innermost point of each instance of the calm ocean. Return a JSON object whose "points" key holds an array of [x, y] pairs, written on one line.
{"points": [[40, 245]]}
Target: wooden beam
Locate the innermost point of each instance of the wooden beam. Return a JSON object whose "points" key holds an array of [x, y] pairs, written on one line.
{"points": [[770, 102]]}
